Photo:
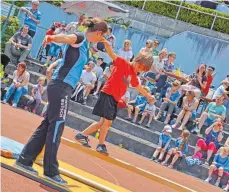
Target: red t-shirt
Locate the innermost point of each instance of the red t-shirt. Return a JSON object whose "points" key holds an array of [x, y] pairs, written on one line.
{"points": [[209, 82], [50, 32], [118, 82]]}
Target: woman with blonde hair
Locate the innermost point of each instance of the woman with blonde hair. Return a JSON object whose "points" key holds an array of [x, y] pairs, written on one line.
{"points": [[126, 51], [148, 47], [19, 85]]}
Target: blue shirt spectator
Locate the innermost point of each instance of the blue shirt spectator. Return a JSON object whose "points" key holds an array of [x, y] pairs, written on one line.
{"points": [[178, 143], [174, 96], [221, 161], [141, 100], [165, 139], [32, 17]]}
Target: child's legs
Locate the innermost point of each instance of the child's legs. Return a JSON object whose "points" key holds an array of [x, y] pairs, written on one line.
{"points": [[137, 110], [161, 155], [98, 86], [130, 109], [170, 152], [9, 92], [176, 156], [103, 130], [157, 151], [163, 108], [220, 173], [93, 127], [88, 89], [211, 169], [150, 117], [37, 103], [143, 116], [18, 93], [45, 108]]}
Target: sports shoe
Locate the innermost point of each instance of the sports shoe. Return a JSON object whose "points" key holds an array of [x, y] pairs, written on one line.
{"points": [[26, 108], [226, 188], [56, 179], [84, 102], [147, 126], [42, 114], [82, 139], [208, 179], [206, 163], [34, 111], [25, 168], [4, 101], [14, 105], [101, 148]]}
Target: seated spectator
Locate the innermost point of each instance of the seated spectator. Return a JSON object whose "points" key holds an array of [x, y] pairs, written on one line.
{"points": [[156, 43], [126, 51], [19, 46], [222, 90], [32, 17], [158, 61], [219, 163], [180, 150], [190, 103], [19, 85], [124, 100], [134, 92], [149, 110], [162, 80], [164, 141], [110, 37], [98, 70], [150, 81], [136, 106], [55, 48], [102, 80], [148, 47], [209, 76], [88, 79], [213, 111], [171, 98], [211, 143], [36, 98], [197, 81]]}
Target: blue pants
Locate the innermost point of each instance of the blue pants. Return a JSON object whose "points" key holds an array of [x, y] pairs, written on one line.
{"points": [[18, 93]]}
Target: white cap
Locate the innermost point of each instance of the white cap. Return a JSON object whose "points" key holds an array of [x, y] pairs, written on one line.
{"points": [[168, 129]]}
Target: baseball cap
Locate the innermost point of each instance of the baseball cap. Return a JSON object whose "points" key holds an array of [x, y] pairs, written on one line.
{"points": [[168, 129]]}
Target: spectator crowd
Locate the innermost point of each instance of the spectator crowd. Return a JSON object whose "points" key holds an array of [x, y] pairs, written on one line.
{"points": [[177, 98]]}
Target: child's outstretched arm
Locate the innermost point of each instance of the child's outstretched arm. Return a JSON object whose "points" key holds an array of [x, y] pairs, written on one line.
{"points": [[109, 50], [144, 93]]}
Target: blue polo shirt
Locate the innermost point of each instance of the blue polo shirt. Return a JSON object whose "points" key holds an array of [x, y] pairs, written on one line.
{"points": [[174, 96], [28, 21], [74, 58], [165, 139]]}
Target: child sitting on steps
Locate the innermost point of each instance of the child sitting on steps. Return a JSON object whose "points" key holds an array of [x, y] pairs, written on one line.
{"points": [[181, 148], [164, 141]]}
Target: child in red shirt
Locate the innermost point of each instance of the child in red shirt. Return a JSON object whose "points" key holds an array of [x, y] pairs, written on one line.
{"points": [[115, 87]]}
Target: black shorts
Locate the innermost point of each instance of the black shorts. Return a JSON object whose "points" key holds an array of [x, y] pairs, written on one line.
{"points": [[106, 107]]}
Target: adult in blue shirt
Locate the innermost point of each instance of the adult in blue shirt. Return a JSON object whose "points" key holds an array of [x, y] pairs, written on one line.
{"points": [[59, 89], [32, 17]]}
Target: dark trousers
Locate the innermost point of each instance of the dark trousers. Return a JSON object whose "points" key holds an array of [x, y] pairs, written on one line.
{"points": [[50, 130]]}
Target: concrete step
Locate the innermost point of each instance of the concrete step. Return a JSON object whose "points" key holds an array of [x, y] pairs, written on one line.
{"points": [[138, 146]]}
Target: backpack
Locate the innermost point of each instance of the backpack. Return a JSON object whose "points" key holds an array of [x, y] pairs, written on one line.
{"points": [[78, 94]]}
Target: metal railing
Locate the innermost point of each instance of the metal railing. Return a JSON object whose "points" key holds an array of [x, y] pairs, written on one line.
{"points": [[180, 6]]}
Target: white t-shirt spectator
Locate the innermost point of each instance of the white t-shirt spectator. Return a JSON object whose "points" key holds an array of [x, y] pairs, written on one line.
{"points": [[125, 54], [88, 77], [157, 64], [22, 79], [98, 71], [150, 107]]}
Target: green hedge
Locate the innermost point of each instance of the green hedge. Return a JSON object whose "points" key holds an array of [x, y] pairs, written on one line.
{"points": [[12, 27], [189, 16], [23, 3]]}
